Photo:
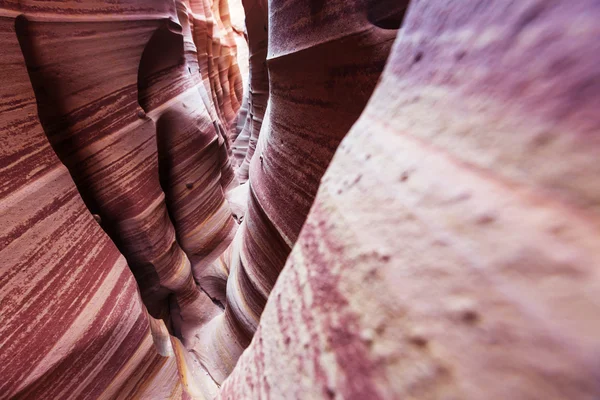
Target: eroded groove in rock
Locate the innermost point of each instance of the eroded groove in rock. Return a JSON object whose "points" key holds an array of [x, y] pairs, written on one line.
{"points": [[241, 138], [216, 44], [257, 18], [238, 25], [110, 149], [454, 242], [73, 324], [240, 121], [217, 63], [188, 157], [113, 147], [449, 251], [318, 87], [298, 138]]}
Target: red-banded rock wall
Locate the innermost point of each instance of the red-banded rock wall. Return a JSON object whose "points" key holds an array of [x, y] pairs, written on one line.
{"points": [[446, 249], [452, 251], [257, 22], [120, 100], [73, 324], [316, 91], [320, 78]]}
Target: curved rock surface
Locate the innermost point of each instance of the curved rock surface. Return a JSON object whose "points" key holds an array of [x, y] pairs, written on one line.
{"points": [[316, 92], [453, 246], [446, 249], [257, 22], [147, 150], [73, 324]]}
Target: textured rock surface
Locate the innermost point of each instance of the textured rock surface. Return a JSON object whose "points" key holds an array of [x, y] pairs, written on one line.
{"points": [[452, 251], [319, 84], [121, 101], [317, 89], [257, 22], [73, 325]]}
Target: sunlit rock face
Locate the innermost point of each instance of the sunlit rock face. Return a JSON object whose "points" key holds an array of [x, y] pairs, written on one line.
{"points": [[453, 246], [257, 22], [207, 199]]}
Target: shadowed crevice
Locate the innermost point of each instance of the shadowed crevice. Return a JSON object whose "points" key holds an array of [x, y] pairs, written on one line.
{"points": [[387, 14]]}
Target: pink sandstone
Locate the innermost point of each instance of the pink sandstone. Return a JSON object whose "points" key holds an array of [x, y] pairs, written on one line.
{"points": [[206, 199]]}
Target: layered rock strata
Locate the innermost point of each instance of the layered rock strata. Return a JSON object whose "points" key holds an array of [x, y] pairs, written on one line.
{"points": [[453, 248], [73, 324], [119, 99], [257, 18], [446, 249], [319, 82]]}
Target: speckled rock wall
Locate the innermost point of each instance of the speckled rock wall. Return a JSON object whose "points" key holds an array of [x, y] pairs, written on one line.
{"points": [[319, 82], [452, 251], [197, 207]]}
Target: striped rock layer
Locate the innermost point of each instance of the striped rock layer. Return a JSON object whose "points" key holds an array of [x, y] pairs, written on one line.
{"points": [[257, 22], [116, 166], [73, 324], [319, 82], [452, 251], [445, 250]]}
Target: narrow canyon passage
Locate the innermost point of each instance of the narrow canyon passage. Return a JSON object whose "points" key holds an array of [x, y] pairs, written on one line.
{"points": [[299, 199]]}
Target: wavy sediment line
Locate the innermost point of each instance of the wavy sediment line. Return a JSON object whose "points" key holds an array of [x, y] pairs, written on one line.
{"points": [[453, 242], [96, 125]]}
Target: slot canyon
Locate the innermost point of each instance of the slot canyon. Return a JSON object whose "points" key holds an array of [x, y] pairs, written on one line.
{"points": [[300, 199]]}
